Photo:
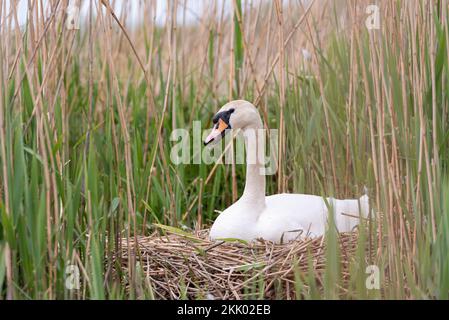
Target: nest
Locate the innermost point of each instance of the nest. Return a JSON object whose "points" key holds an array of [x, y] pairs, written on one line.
{"points": [[177, 266]]}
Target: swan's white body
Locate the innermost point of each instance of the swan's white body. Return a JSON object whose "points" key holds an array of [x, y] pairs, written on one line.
{"points": [[287, 217], [281, 217]]}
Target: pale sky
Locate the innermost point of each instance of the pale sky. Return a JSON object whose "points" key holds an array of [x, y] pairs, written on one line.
{"points": [[195, 9]]}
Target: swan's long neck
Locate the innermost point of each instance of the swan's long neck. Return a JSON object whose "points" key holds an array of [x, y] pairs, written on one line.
{"points": [[254, 193]]}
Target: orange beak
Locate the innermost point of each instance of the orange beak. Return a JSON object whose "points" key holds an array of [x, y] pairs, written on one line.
{"points": [[216, 132]]}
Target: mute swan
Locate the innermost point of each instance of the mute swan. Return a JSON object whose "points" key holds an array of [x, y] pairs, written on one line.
{"points": [[280, 217]]}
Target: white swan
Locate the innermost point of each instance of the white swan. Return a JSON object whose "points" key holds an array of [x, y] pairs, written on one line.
{"points": [[280, 217]]}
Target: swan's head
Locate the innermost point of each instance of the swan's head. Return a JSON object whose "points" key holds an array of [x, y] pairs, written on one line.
{"points": [[238, 114]]}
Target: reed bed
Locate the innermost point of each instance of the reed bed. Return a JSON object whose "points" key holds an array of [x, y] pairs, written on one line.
{"points": [[86, 117]]}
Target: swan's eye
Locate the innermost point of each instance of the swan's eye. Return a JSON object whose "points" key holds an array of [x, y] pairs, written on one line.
{"points": [[224, 116]]}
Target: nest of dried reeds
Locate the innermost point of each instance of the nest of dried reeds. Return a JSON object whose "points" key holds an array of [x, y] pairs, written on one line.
{"points": [[179, 266]]}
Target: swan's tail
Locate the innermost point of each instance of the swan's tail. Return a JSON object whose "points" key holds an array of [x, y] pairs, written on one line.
{"points": [[364, 204]]}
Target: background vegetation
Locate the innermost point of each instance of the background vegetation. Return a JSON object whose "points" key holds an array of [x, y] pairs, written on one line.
{"points": [[86, 117]]}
